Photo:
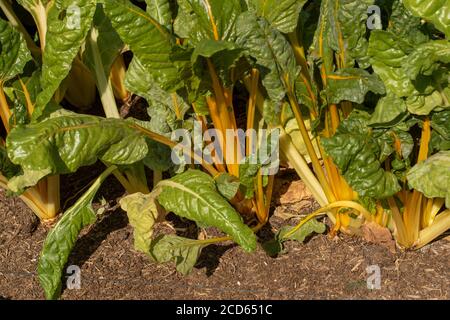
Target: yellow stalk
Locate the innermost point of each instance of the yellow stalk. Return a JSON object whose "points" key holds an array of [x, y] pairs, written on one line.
{"points": [[400, 234], [335, 205], [438, 227], [30, 104], [252, 108], [5, 112], [312, 153], [117, 78]]}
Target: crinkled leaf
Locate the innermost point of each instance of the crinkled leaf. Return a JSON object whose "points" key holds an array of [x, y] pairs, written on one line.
{"points": [[388, 56], [432, 177], [207, 19], [164, 107], [67, 141], [435, 11], [342, 28], [273, 54], [352, 85], [193, 195], [227, 185], [389, 111], [404, 24], [61, 239], [184, 252], [282, 14], [358, 156], [63, 41], [142, 211], [160, 11], [427, 57], [149, 41], [14, 53]]}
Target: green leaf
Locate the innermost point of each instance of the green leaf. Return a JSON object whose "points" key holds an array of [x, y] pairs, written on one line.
{"points": [[310, 227], [164, 107], [193, 195], [67, 141], [207, 19], [432, 177], [14, 53], [282, 14], [352, 85], [61, 239], [142, 211], [389, 111], [435, 11], [358, 156], [184, 252], [273, 53], [7, 168], [275, 246], [427, 57], [247, 175], [154, 49], [342, 28], [227, 185], [107, 41], [65, 35], [388, 56], [404, 24], [160, 11], [440, 122]]}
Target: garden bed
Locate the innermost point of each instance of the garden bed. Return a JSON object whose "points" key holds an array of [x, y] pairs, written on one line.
{"points": [[322, 268]]}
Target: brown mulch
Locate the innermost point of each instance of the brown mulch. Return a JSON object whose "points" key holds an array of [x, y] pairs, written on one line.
{"points": [[323, 268]]}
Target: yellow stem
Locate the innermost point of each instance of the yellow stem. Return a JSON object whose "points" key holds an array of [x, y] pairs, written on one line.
{"points": [[5, 112], [309, 146]]}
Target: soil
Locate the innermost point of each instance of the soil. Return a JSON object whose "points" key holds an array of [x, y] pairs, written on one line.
{"points": [[322, 268]]}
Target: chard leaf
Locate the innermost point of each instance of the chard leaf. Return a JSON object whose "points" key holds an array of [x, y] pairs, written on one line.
{"points": [[108, 42], [282, 14], [342, 28], [247, 174], [160, 11], [184, 252], [63, 41], [358, 156], [435, 11], [352, 85], [388, 56], [432, 177], [440, 122], [273, 54], [193, 195], [405, 25], [389, 111], [275, 246], [227, 185], [66, 141], [199, 20], [427, 57], [7, 168], [14, 53], [154, 49], [142, 211], [164, 107], [310, 227], [61, 239]]}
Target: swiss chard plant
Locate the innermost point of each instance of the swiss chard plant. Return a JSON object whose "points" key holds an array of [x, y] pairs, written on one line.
{"points": [[362, 115]]}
